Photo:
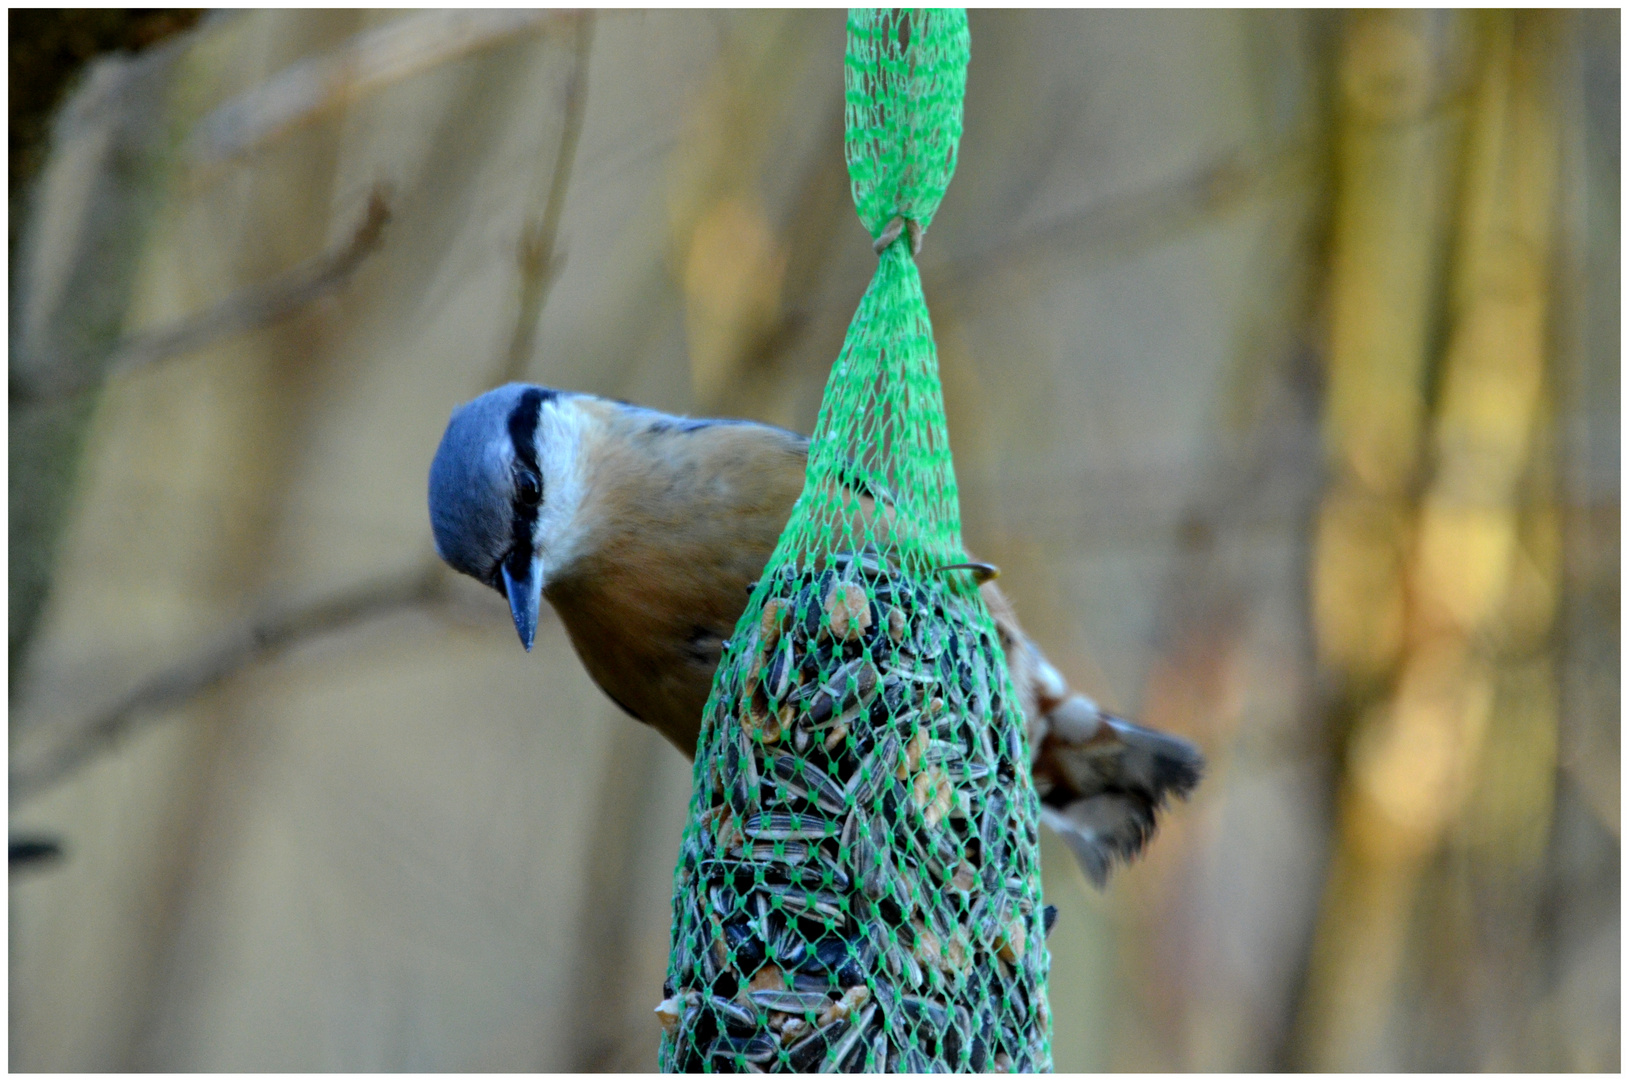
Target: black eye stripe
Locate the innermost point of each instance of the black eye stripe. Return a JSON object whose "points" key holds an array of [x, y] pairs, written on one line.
{"points": [[522, 427], [522, 433]]}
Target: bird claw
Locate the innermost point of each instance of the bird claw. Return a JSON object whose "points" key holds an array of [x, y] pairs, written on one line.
{"points": [[982, 572]]}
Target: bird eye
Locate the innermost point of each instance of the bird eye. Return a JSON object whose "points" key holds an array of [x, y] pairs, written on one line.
{"points": [[528, 487]]}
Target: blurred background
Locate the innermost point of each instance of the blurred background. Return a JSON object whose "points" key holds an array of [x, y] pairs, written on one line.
{"points": [[1281, 354]]}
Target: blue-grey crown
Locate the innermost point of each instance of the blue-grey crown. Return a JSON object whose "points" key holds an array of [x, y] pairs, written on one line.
{"points": [[470, 490]]}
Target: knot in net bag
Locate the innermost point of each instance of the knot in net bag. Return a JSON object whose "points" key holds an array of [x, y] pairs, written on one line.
{"points": [[858, 887]]}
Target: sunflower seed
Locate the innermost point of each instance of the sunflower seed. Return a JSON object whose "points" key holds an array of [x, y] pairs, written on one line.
{"points": [[762, 907], [809, 782], [861, 789], [904, 966], [777, 826], [810, 1052], [843, 1049], [914, 1061], [804, 902], [878, 1055], [796, 947], [748, 771], [925, 1011], [778, 678], [820, 706], [732, 1014], [757, 1050], [709, 966], [791, 1001]]}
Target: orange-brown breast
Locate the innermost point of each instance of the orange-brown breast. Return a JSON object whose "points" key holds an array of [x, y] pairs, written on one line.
{"points": [[680, 525]]}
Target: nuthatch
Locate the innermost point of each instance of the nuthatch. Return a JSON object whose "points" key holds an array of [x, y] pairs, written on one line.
{"points": [[645, 532]]}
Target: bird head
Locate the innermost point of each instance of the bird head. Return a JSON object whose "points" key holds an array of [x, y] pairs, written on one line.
{"points": [[503, 490]]}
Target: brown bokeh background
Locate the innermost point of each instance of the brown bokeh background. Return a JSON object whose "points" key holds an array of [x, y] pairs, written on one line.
{"points": [[1281, 355]]}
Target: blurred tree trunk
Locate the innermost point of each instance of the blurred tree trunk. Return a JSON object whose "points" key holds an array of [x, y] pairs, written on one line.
{"points": [[111, 146], [1435, 578]]}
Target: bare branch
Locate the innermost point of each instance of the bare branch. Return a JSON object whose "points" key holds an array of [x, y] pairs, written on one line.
{"points": [[264, 638], [363, 65], [254, 305], [1116, 226], [1130, 222], [257, 641]]}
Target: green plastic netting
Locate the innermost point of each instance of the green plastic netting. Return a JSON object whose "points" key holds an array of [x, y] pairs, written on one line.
{"points": [[858, 887]]}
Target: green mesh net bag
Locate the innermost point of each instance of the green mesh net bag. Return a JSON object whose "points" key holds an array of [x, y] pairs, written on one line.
{"points": [[858, 887]]}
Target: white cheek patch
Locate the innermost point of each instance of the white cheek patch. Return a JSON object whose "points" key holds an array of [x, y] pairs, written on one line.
{"points": [[560, 431]]}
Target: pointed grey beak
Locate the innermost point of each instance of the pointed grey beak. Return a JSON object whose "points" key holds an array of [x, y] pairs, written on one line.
{"points": [[524, 598]]}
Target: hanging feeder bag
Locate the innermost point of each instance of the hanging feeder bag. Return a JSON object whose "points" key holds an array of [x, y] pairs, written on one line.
{"points": [[858, 887]]}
